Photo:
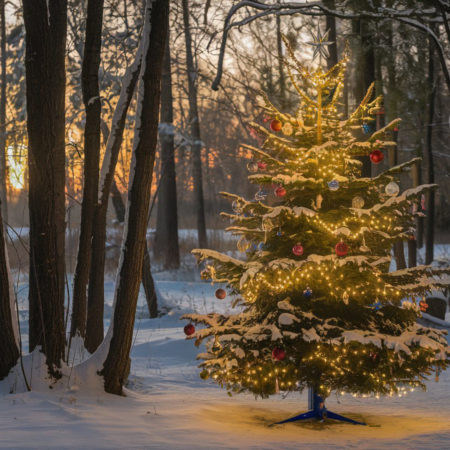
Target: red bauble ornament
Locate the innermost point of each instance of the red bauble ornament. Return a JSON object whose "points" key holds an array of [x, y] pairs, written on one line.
{"points": [[423, 305], [278, 354], [376, 156], [189, 329], [297, 249], [221, 294], [396, 129], [262, 165], [280, 191], [341, 249], [276, 125]]}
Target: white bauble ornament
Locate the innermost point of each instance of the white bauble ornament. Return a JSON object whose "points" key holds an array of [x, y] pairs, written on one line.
{"points": [[392, 189], [357, 202]]}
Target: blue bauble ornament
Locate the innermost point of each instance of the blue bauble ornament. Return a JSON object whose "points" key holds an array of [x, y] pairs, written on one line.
{"points": [[333, 185], [307, 293]]}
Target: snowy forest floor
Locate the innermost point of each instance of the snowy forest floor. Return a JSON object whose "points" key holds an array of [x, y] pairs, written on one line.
{"points": [[169, 407]]}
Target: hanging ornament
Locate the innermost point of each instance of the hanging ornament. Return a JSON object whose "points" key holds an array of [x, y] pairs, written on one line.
{"points": [[376, 156], [262, 165], [221, 294], [297, 249], [276, 125], [422, 202], [237, 207], [260, 195], [287, 129], [373, 356], [307, 293], [345, 297], [341, 248], [392, 189], [377, 305], [252, 166], [279, 232], [333, 185], [423, 305], [278, 354], [357, 202], [189, 329], [318, 204], [438, 372], [367, 128], [280, 191], [243, 245], [364, 247], [300, 121]]}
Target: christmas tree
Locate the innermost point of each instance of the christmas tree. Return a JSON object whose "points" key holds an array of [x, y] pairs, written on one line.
{"points": [[317, 305]]}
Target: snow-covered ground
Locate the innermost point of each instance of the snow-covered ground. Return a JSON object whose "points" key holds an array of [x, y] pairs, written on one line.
{"points": [[169, 407]]}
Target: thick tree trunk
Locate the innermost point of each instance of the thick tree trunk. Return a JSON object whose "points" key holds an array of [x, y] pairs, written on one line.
{"points": [[9, 351], [429, 237], [92, 104], [94, 328], [196, 146], [3, 172], [116, 366], [331, 25], [166, 248], [45, 26]]}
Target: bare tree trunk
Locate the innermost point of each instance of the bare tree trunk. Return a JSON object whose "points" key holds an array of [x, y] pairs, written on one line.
{"points": [[149, 286], [92, 104], [45, 26], [331, 25], [3, 171], [281, 76], [9, 351], [368, 77], [429, 237], [116, 366], [94, 328], [118, 203], [196, 146], [166, 248]]}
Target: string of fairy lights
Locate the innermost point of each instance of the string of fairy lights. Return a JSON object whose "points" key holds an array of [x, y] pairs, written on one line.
{"points": [[294, 145]]}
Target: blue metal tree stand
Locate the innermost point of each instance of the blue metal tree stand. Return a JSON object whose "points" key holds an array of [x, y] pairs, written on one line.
{"points": [[317, 410]]}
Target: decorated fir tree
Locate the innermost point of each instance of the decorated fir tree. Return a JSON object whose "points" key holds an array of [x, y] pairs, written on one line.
{"points": [[318, 307]]}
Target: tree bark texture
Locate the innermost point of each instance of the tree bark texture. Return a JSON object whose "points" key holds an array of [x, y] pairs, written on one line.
{"points": [[3, 169], [146, 132], [429, 237], [166, 248], [196, 146], [45, 27], [331, 25], [149, 286], [94, 327], [367, 76], [92, 104], [9, 352]]}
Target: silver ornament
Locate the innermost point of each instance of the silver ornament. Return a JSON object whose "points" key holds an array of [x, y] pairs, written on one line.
{"points": [[392, 189]]}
